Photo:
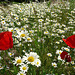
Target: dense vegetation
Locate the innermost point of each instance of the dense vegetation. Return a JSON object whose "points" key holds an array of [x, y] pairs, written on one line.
{"points": [[37, 31]]}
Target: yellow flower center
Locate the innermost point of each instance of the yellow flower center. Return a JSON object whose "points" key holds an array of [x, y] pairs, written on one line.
{"points": [[37, 63], [59, 52], [3, 22], [18, 23], [24, 68], [66, 49], [53, 64], [0, 67], [30, 31], [16, 17], [48, 10], [16, 29], [46, 32], [72, 62], [15, 35], [30, 59], [31, 49], [10, 53], [11, 22], [40, 20], [19, 61], [23, 35], [28, 38], [14, 32], [22, 28], [21, 8], [21, 74], [11, 30], [49, 55]]}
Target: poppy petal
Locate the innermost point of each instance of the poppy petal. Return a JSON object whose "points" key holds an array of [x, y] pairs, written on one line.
{"points": [[68, 58], [70, 41], [63, 54], [11, 40], [6, 40]]}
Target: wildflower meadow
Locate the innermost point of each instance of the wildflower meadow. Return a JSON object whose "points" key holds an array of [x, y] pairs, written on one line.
{"points": [[37, 38]]}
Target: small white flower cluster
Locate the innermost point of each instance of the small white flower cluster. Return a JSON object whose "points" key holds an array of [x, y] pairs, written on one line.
{"points": [[31, 58], [49, 54], [54, 64]]}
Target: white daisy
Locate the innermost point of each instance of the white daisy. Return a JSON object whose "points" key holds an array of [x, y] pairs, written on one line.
{"points": [[18, 61], [31, 57], [28, 39], [10, 29], [40, 20], [24, 68], [18, 23], [1, 67], [10, 54], [25, 19], [1, 58], [16, 18], [31, 31], [3, 22], [57, 42], [67, 49], [37, 63], [24, 51], [11, 23], [22, 34], [46, 32], [59, 51], [54, 64], [21, 73], [59, 58], [49, 54], [20, 11], [72, 62]]}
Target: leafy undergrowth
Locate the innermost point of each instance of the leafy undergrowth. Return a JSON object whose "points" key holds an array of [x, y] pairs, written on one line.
{"points": [[37, 31]]}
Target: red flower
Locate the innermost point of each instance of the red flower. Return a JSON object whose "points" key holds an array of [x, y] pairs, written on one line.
{"points": [[70, 41], [63, 54], [6, 40], [68, 58]]}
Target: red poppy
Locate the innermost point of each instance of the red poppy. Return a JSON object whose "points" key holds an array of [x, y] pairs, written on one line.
{"points": [[63, 54], [68, 58], [70, 41], [6, 40]]}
